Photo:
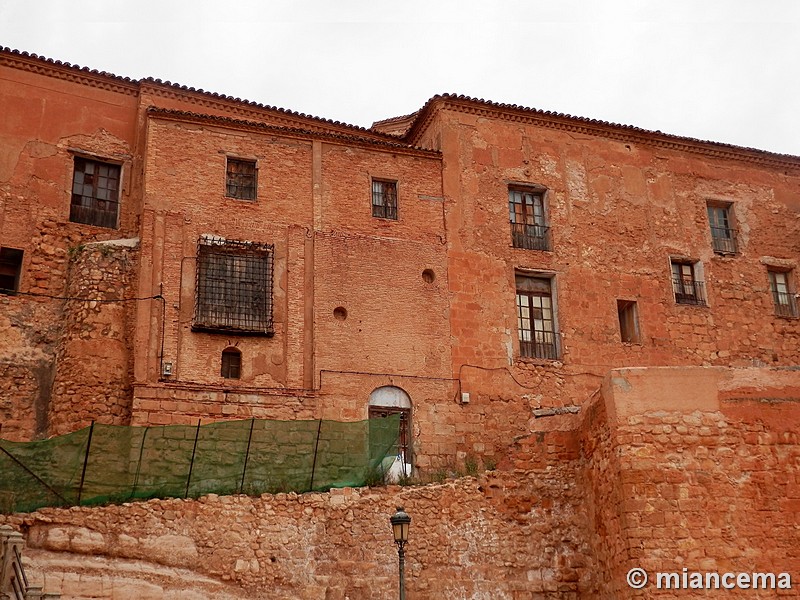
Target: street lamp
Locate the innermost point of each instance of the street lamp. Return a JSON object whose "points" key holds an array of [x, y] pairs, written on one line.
{"points": [[400, 522]]}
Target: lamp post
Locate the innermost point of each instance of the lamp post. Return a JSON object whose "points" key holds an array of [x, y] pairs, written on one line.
{"points": [[400, 522]]}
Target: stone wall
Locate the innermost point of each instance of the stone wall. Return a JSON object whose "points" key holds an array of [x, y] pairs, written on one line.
{"points": [[94, 360], [711, 486], [498, 536]]}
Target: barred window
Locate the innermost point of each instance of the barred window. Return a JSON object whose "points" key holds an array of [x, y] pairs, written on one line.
{"points": [[723, 235], [526, 212], [384, 199], [782, 295], [687, 283], [234, 287], [240, 179], [95, 193], [536, 323]]}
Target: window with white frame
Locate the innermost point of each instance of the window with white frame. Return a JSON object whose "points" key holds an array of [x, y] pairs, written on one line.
{"points": [[536, 323], [687, 282], [782, 295]]}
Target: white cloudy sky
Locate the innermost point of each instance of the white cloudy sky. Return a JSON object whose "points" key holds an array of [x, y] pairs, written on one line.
{"points": [[725, 70]]}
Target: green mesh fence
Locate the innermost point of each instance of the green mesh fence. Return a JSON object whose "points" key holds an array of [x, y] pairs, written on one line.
{"points": [[111, 463]]}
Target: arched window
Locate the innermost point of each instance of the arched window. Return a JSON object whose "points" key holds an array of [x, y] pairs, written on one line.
{"points": [[231, 363], [389, 400]]}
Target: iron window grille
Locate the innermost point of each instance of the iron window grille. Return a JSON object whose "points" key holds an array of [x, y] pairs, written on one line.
{"points": [[234, 287], [536, 318], [384, 199], [10, 270], [231, 363], [240, 179], [723, 235], [784, 300], [95, 193], [528, 221], [686, 286]]}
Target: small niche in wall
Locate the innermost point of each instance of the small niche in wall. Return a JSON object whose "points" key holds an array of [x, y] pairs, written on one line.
{"points": [[340, 313], [428, 276]]}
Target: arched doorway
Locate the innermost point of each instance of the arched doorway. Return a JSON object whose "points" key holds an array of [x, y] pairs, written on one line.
{"points": [[389, 400]]}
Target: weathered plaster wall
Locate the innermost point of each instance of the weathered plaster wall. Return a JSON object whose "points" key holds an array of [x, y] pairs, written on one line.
{"points": [[51, 120], [618, 210]]}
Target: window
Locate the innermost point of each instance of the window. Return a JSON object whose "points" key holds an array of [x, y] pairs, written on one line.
{"points": [[535, 318], [234, 287], [10, 270], [687, 283], [384, 199], [95, 193], [231, 363], [628, 321], [240, 179], [782, 296], [723, 235], [527, 216]]}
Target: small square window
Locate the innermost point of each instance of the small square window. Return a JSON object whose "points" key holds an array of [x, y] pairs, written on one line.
{"points": [[241, 179], [95, 193], [628, 321], [384, 199], [526, 212], [10, 270], [687, 283], [723, 234], [782, 294]]}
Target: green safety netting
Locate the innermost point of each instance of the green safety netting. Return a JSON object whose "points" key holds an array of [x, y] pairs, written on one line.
{"points": [[114, 463]]}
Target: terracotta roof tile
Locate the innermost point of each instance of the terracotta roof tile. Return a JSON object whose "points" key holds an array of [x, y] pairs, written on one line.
{"points": [[625, 129]]}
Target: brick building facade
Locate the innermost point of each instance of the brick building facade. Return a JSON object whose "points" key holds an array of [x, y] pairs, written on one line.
{"points": [[178, 255]]}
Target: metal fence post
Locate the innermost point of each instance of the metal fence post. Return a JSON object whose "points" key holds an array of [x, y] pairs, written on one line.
{"points": [[139, 464], [85, 462], [191, 465], [314, 464], [247, 454]]}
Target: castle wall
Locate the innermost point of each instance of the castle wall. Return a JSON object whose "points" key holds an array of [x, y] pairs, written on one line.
{"points": [[710, 488]]}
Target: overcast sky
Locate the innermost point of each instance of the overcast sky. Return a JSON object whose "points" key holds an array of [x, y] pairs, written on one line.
{"points": [[723, 70]]}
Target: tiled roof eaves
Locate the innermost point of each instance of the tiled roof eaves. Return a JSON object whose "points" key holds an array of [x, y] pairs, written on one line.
{"points": [[34, 63], [250, 107], [102, 79], [295, 132], [605, 129], [395, 119]]}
